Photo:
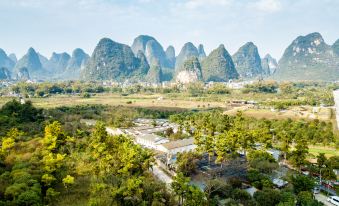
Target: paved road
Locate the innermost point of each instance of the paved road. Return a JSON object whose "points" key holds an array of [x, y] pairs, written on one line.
{"points": [[322, 198], [328, 190], [161, 175]]}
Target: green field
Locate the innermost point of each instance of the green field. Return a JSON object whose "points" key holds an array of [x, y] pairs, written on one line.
{"points": [[183, 101], [329, 151]]}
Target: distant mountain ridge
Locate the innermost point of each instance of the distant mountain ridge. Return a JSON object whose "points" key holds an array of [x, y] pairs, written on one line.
{"points": [[306, 58], [114, 61], [309, 58], [218, 66], [6, 61], [153, 51], [187, 51], [36, 66], [247, 61], [31, 61], [5, 74], [269, 64], [190, 71]]}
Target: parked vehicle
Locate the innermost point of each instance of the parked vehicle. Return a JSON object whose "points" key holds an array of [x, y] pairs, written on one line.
{"points": [[334, 200], [316, 190]]}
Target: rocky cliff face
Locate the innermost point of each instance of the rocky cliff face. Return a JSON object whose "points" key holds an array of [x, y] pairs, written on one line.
{"points": [[155, 54], [59, 61], [12, 56], [218, 66], [45, 62], [308, 58], [152, 49], [269, 65], [113, 61], [32, 62], [335, 47], [201, 52], [154, 74], [170, 55], [79, 58], [190, 71], [77, 62], [139, 43], [187, 51], [23, 74], [5, 61], [5, 74], [247, 61]]}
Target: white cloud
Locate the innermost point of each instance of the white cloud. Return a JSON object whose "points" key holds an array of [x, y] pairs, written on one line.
{"points": [[194, 4], [269, 6], [145, 1]]}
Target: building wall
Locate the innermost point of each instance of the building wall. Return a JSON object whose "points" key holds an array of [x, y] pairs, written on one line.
{"points": [[183, 149], [150, 144]]}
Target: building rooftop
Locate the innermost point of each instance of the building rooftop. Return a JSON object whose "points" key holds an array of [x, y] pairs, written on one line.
{"points": [[151, 137], [178, 143]]}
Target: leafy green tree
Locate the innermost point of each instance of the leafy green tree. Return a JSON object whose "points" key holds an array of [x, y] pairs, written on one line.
{"points": [[287, 199], [305, 198], [194, 196], [227, 145], [286, 141], [333, 162], [302, 183], [321, 159], [29, 197], [258, 179], [218, 88], [187, 194], [54, 137], [68, 181], [262, 161], [86, 95], [216, 188], [7, 144], [267, 197], [187, 163], [298, 156], [180, 186], [51, 194], [13, 191]]}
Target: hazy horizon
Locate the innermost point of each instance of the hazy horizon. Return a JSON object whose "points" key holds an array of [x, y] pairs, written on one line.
{"points": [[61, 26]]}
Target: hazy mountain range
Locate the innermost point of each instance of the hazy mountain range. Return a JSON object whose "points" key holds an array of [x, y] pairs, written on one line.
{"points": [[306, 58]]}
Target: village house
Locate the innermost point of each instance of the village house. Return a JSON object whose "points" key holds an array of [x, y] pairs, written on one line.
{"points": [[178, 146], [151, 141]]}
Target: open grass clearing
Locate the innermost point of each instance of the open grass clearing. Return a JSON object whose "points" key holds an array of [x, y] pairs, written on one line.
{"points": [[328, 151]]}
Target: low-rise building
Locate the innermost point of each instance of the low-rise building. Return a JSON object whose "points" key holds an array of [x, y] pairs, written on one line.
{"points": [[275, 153], [279, 183], [151, 141], [114, 131], [178, 146]]}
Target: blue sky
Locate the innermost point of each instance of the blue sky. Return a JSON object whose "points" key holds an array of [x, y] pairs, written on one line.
{"points": [[62, 25]]}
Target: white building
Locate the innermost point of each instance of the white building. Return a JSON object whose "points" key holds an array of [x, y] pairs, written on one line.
{"points": [[178, 146], [275, 154], [279, 182], [151, 141], [116, 131]]}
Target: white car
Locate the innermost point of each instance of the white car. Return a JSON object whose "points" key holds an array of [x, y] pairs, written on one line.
{"points": [[334, 200]]}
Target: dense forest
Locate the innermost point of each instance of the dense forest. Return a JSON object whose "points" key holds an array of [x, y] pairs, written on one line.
{"points": [[48, 157]]}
